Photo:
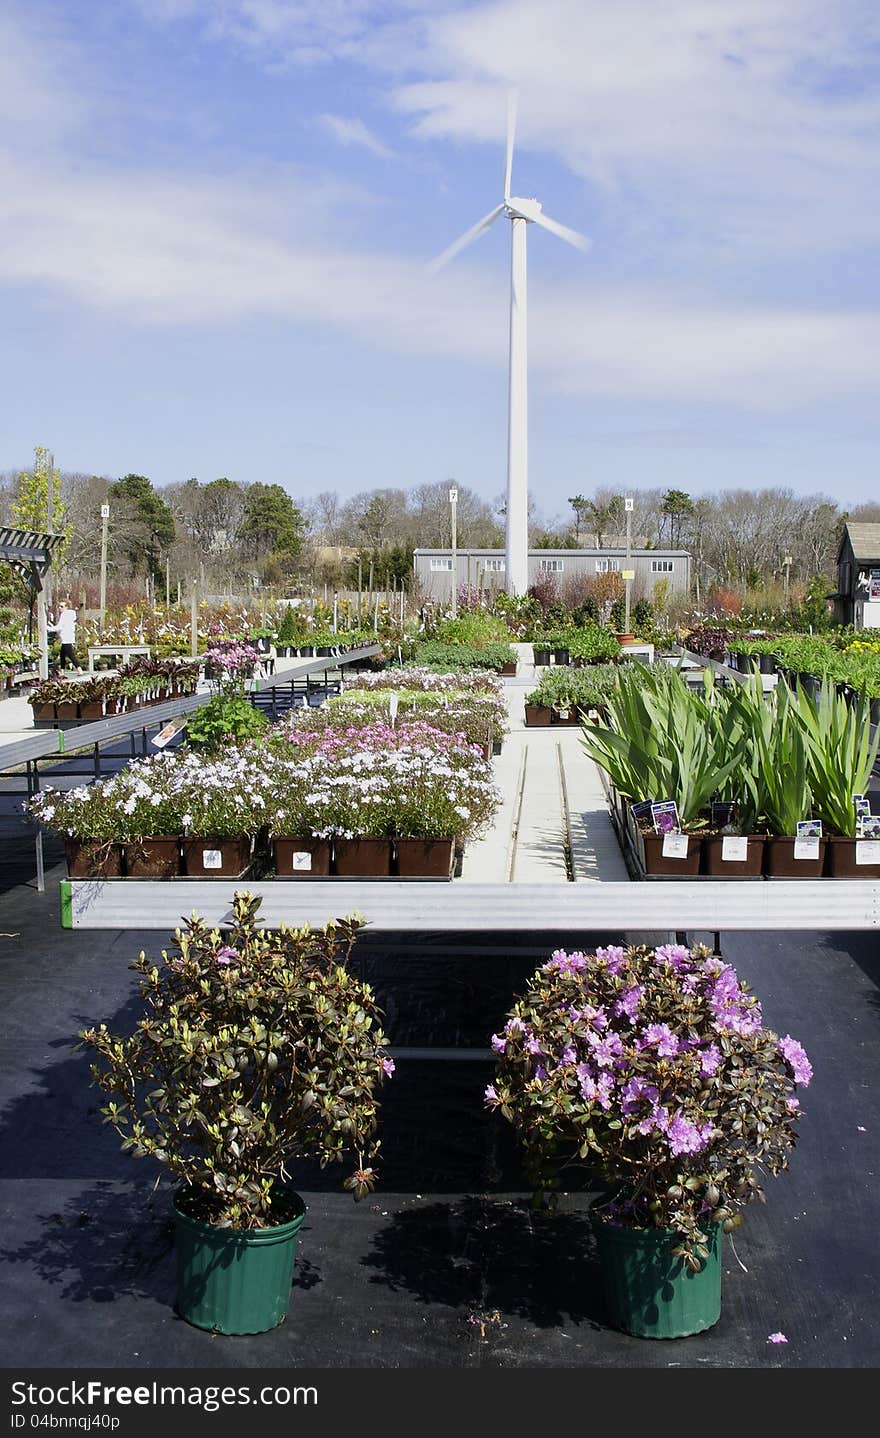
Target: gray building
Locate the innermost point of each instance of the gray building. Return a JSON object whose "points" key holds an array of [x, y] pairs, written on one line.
{"points": [[857, 600], [485, 569]]}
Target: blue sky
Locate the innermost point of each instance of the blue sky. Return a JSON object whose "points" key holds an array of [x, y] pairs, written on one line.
{"points": [[216, 216]]}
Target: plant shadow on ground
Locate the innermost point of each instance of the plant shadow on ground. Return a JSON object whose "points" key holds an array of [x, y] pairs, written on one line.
{"points": [[107, 1241], [489, 1256], [861, 948]]}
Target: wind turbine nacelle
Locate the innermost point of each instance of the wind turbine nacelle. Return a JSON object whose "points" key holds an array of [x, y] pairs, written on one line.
{"points": [[523, 209]]}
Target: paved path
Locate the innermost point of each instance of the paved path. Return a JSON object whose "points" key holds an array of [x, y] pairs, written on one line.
{"points": [[553, 825]]}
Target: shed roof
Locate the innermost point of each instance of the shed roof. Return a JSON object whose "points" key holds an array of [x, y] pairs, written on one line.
{"points": [[865, 540]]}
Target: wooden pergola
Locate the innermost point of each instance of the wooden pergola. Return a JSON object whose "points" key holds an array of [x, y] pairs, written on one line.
{"points": [[30, 553]]}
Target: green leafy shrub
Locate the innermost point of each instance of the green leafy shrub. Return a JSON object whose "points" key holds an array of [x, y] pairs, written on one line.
{"points": [[255, 1050], [567, 688], [226, 719], [446, 658]]}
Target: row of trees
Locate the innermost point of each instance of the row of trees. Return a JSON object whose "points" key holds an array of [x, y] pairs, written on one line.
{"points": [[237, 536]]}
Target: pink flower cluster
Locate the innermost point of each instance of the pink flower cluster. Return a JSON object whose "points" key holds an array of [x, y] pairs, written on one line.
{"points": [[636, 1036]]}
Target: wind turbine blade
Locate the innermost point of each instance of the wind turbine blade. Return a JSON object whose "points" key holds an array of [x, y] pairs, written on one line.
{"points": [[511, 131], [467, 238], [562, 232]]}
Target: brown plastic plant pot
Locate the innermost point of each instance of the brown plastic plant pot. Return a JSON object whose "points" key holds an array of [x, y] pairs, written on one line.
{"points": [[66, 711], [780, 863], [93, 859], [508, 670], [152, 858], [93, 709], [44, 713], [538, 715], [425, 858], [362, 858], [216, 858], [752, 867], [657, 863], [842, 855], [304, 858]]}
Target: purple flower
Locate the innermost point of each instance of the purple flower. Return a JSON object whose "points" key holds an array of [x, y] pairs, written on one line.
{"points": [[568, 1055], [499, 1043], [794, 1055], [663, 1037], [533, 1045], [675, 956], [388, 1067], [656, 1121], [687, 1137], [540, 1073], [614, 956], [605, 1050], [491, 1096], [733, 1011], [776, 1338], [595, 1090], [567, 963], [226, 955], [514, 1026], [636, 1092], [710, 1060], [588, 1015], [628, 1003]]}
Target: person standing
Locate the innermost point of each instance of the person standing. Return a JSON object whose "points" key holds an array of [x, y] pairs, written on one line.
{"points": [[66, 631]]}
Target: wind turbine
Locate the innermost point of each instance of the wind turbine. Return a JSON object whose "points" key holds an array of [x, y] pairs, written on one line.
{"points": [[521, 213]]}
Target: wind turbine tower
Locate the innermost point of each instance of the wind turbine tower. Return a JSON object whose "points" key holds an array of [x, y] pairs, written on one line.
{"points": [[521, 213]]}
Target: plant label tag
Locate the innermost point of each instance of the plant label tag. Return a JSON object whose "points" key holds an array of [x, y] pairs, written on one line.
{"points": [[868, 851], [165, 735], [212, 859], [806, 848], [675, 846], [734, 849], [665, 816], [302, 861], [563, 713]]}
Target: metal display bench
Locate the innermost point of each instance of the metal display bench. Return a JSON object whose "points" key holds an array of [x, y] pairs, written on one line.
{"points": [[413, 905]]}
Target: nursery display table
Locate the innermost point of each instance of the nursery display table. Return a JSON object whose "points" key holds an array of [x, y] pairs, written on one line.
{"points": [[106, 651], [424, 906]]}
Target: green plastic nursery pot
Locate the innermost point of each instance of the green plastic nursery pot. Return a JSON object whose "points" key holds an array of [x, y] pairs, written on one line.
{"points": [[650, 1293], [234, 1280]]}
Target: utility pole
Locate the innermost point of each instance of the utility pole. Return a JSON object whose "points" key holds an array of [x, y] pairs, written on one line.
{"points": [[105, 515], [194, 616], [50, 517], [786, 565], [628, 573], [453, 505], [167, 585]]}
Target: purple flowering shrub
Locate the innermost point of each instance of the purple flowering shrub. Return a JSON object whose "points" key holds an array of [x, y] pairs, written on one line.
{"points": [[255, 1049], [654, 1067]]}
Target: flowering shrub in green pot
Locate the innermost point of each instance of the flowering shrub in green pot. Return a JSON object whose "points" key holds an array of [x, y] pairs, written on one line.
{"points": [[654, 1068], [255, 1050]]}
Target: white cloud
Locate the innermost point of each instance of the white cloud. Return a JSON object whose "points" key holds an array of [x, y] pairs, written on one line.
{"points": [[351, 130], [754, 122], [184, 249], [160, 251], [748, 126]]}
